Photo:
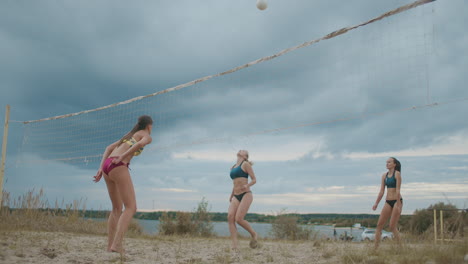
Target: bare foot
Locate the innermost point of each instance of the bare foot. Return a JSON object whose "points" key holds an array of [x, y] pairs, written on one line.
{"points": [[254, 242], [235, 256], [116, 250], [376, 248], [234, 248]]}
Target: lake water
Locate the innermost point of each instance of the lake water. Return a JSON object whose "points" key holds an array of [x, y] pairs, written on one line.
{"points": [[263, 229]]}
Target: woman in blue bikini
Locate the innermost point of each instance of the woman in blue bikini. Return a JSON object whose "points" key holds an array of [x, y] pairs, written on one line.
{"points": [[114, 167], [393, 202], [241, 197]]}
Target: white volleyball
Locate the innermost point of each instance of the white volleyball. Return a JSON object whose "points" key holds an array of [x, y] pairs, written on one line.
{"points": [[262, 4]]}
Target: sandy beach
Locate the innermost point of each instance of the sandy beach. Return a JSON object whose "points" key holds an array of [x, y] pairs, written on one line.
{"points": [[59, 247]]}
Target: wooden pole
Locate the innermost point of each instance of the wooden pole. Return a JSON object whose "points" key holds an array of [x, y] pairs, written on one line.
{"points": [[435, 226], [462, 228], [442, 225], [4, 148]]}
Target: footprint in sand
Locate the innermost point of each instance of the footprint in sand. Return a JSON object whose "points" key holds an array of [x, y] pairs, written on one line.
{"points": [[49, 252]]}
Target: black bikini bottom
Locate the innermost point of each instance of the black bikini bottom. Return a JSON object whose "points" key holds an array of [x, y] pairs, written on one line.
{"points": [[392, 202], [240, 196]]}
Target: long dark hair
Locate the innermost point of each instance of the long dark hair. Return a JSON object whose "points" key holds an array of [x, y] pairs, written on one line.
{"points": [[143, 122], [397, 163]]}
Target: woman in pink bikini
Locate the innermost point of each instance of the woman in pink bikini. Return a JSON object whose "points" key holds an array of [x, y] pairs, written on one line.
{"points": [[114, 167]]}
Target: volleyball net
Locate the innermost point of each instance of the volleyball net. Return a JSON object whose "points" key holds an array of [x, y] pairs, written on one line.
{"points": [[389, 52]]}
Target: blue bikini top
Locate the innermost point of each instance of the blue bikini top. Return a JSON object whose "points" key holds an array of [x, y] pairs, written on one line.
{"points": [[390, 182], [237, 172]]}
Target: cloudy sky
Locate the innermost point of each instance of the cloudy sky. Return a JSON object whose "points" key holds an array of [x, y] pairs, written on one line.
{"points": [[350, 91]]}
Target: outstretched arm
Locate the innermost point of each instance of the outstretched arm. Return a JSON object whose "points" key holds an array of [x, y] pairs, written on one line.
{"points": [[106, 154], [381, 192]]}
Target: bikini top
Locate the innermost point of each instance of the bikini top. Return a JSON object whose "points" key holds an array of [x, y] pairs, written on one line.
{"points": [[390, 182], [237, 172], [132, 142]]}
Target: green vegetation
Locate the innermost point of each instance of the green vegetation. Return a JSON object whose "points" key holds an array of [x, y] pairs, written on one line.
{"points": [[33, 212], [286, 227], [422, 220], [340, 220], [197, 223]]}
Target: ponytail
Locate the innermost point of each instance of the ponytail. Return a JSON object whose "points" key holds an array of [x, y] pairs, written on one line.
{"points": [[143, 122], [397, 164], [247, 159]]}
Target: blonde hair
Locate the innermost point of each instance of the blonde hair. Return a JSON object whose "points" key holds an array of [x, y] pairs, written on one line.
{"points": [[247, 159]]}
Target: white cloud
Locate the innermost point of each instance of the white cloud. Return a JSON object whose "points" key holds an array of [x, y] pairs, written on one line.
{"points": [[173, 190], [423, 190], [325, 189], [230, 155], [419, 190], [155, 210], [457, 168], [453, 145], [306, 199], [286, 148]]}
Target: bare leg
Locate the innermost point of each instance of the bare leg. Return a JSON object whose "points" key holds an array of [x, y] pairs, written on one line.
{"points": [[242, 211], [116, 210], [232, 221], [396, 213], [121, 177], [384, 215]]}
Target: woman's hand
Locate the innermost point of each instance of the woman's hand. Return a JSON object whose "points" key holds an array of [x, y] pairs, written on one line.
{"points": [[245, 188], [98, 176], [374, 207], [230, 198], [117, 159], [399, 204]]}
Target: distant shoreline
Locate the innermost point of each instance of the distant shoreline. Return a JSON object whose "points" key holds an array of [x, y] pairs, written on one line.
{"points": [[339, 220]]}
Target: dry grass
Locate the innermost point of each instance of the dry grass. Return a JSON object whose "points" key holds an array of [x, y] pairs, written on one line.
{"points": [[33, 212], [414, 253]]}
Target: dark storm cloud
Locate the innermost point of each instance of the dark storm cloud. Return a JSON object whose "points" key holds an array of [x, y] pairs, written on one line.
{"points": [[99, 53]]}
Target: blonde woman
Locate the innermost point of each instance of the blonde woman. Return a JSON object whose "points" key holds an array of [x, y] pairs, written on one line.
{"points": [[241, 198], [114, 167]]}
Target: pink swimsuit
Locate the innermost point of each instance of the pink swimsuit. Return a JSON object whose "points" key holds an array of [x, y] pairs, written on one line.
{"points": [[108, 165]]}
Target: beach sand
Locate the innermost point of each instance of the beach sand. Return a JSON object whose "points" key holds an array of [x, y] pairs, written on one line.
{"points": [[59, 247]]}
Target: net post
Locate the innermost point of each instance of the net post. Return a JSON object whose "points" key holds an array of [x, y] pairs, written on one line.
{"points": [[442, 225], [462, 229], [4, 148], [435, 226]]}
